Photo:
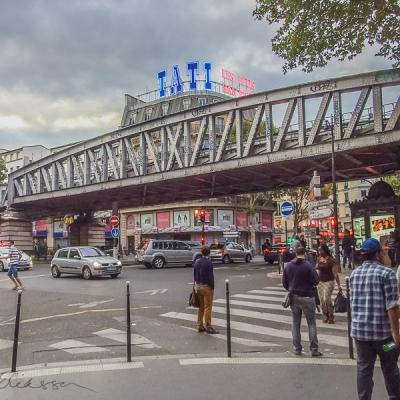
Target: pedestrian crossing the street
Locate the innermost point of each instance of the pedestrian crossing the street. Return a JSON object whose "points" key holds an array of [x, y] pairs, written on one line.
{"points": [[111, 336], [257, 316]]}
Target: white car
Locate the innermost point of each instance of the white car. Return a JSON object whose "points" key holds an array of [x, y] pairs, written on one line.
{"points": [[25, 261]]}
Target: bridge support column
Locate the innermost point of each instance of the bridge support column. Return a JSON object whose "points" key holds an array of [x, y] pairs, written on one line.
{"points": [[16, 226]]}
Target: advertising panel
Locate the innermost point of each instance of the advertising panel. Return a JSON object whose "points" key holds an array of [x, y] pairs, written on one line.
{"points": [[146, 222], [130, 222], [381, 225], [225, 218], [267, 221], [241, 219], [39, 228], [359, 230], [182, 218], [163, 219], [60, 229]]}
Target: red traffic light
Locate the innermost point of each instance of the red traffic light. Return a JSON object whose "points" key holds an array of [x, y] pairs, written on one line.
{"points": [[202, 240], [332, 222], [313, 222], [202, 214]]}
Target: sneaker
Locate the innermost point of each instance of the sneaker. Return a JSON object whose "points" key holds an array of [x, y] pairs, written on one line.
{"points": [[201, 329], [211, 330], [316, 354]]}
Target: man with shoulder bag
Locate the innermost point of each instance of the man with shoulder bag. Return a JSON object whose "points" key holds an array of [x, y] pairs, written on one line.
{"points": [[300, 280]]}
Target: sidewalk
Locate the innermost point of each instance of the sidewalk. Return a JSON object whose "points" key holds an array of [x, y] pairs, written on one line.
{"points": [[261, 376]]}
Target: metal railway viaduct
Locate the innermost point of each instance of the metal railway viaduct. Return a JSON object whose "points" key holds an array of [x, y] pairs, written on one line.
{"points": [[184, 156]]}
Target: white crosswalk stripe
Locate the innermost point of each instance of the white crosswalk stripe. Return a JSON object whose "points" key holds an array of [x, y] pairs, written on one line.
{"points": [[260, 313], [5, 344], [120, 336]]}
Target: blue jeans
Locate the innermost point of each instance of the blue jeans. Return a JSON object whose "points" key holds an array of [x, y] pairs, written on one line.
{"points": [[298, 306], [12, 270], [366, 357]]}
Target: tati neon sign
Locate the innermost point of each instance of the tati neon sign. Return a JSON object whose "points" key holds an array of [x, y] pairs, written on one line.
{"points": [[192, 71]]}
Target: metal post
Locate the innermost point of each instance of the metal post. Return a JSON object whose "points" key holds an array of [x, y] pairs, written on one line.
{"points": [[16, 333], [286, 232], [128, 323], [228, 321], [351, 348], [335, 200]]}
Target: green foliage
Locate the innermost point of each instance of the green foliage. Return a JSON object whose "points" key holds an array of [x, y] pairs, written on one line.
{"points": [[311, 32], [394, 181], [3, 170]]}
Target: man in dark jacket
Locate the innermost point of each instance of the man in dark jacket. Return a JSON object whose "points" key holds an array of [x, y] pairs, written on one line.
{"points": [[348, 244], [300, 279]]}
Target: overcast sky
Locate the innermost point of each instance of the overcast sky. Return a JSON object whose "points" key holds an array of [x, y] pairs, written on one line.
{"points": [[66, 65]]}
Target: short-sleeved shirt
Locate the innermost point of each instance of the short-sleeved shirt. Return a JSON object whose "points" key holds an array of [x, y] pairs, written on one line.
{"points": [[14, 255], [373, 290]]}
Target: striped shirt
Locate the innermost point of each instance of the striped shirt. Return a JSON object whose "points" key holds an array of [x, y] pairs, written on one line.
{"points": [[14, 255], [374, 291]]}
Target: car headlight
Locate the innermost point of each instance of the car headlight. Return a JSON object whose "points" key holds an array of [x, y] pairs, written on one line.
{"points": [[96, 264], [8, 260], [119, 263]]}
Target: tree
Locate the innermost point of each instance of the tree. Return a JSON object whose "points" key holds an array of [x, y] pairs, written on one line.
{"points": [[394, 182], [3, 170], [311, 32]]}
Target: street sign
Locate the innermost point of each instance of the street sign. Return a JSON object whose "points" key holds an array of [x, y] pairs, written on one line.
{"points": [[319, 203], [320, 213], [114, 220], [287, 209], [69, 219], [115, 233], [231, 234]]}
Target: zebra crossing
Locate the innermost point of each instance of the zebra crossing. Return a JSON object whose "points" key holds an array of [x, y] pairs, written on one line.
{"points": [[110, 335], [259, 320]]}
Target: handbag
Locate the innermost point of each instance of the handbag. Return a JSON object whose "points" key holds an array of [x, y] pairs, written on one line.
{"points": [[341, 303], [288, 301], [194, 299]]}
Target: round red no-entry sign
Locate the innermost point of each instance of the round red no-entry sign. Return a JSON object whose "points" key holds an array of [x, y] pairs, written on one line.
{"points": [[114, 220]]}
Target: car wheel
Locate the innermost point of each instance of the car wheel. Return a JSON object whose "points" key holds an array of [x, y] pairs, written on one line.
{"points": [[113, 276], [55, 272], [248, 258], [158, 263], [226, 259], [86, 273]]}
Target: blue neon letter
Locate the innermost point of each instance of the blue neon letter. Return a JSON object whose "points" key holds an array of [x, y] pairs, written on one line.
{"points": [[176, 81], [192, 68], [207, 75], [161, 82]]}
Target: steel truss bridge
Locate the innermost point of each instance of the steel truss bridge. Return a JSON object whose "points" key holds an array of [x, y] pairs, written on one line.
{"points": [[225, 148]]}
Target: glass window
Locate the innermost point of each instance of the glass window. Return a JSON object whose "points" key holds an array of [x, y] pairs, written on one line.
{"points": [[230, 246], [164, 109], [157, 245], [181, 246], [148, 113], [74, 253], [91, 252], [346, 185], [63, 253], [346, 197], [202, 101], [186, 103], [363, 193]]}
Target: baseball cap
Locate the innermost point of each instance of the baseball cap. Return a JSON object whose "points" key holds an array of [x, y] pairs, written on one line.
{"points": [[371, 245]]}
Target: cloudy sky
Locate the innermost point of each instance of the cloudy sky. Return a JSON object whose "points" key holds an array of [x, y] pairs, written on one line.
{"points": [[66, 65]]}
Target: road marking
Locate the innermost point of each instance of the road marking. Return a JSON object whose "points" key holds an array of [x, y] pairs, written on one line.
{"points": [[90, 305], [253, 305], [284, 319], [120, 336], [264, 360], [25, 321], [26, 277], [267, 298], [253, 297], [243, 341], [153, 292], [5, 344], [271, 292], [280, 289], [262, 330], [77, 347]]}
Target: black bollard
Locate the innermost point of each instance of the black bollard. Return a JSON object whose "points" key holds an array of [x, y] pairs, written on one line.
{"points": [[16, 333], [128, 323], [351, 347], [228, 321]]}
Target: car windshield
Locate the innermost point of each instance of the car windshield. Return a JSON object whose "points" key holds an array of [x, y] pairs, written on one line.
{"points": [[215, 246], [91, 252]]}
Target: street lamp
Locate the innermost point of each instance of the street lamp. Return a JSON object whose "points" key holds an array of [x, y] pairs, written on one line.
{"points": [[330, 125]]}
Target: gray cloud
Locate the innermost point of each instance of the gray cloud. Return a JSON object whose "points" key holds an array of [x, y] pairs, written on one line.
{"points": [[66, 65]]}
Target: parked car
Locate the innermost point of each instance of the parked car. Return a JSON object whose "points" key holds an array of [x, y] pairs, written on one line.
{"points": [[271, 254], [229, 252], [85, 261], [159, 253], [25, 261]]}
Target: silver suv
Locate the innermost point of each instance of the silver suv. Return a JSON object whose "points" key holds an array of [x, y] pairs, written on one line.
{"points": [[159, 253], [228, 252], [85, 261]]}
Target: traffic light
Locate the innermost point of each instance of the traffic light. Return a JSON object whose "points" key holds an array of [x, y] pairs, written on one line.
{"points": [[332, 222], [202, 214], [202, 240], [313, 223]]}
